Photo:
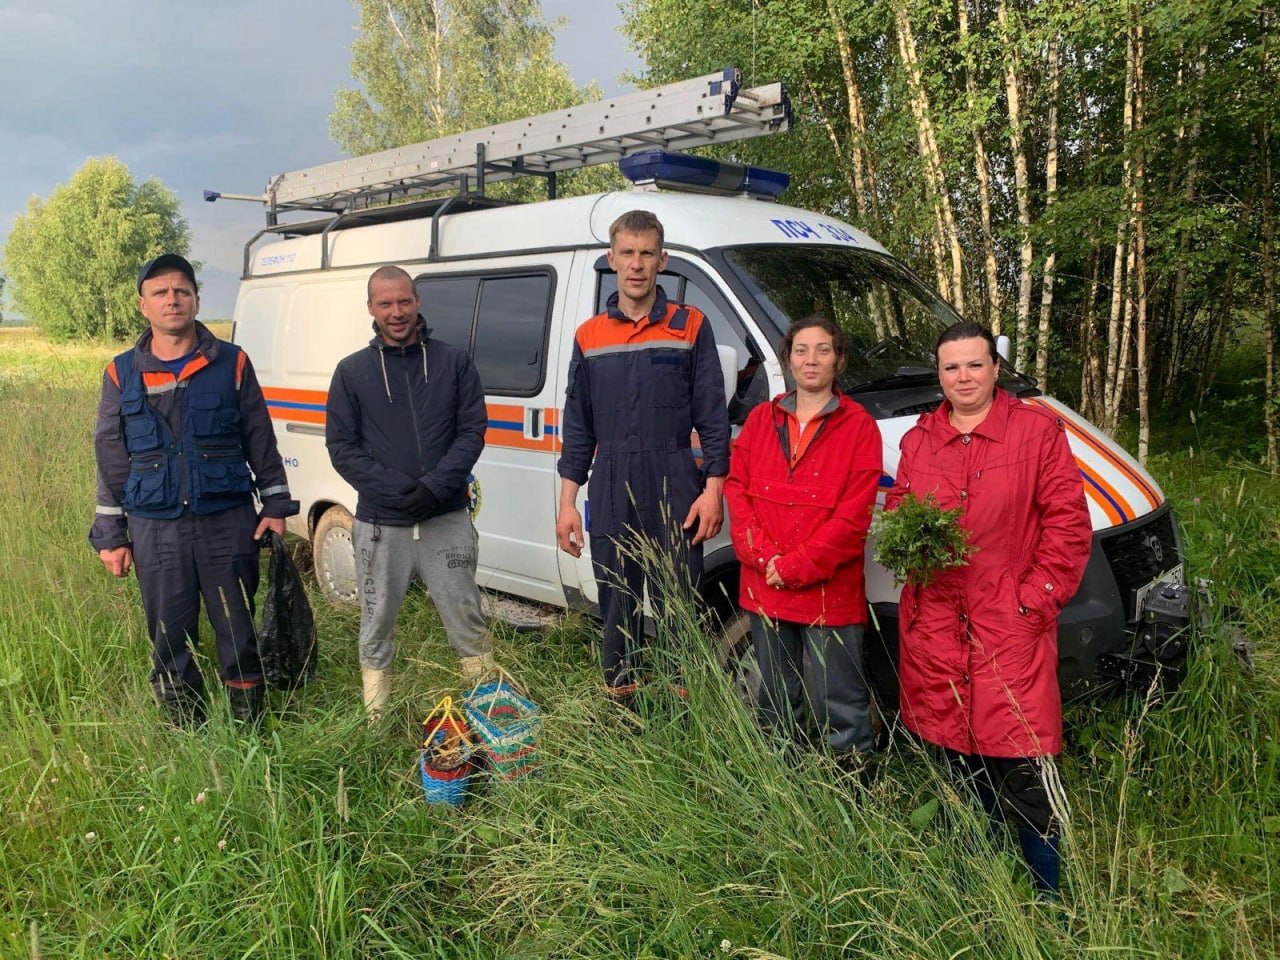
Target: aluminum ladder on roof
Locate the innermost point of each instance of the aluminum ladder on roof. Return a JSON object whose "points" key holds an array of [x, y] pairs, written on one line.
{"points": [[678, 116]]}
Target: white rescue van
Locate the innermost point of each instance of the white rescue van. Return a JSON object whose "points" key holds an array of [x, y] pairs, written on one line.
{"points": [[511, 284]]}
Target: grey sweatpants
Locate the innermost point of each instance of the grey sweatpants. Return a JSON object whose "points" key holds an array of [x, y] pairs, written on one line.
{"points": [[442, 551]]}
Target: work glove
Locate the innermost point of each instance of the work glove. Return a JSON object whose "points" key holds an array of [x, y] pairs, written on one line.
{"points": [[422, 504]]}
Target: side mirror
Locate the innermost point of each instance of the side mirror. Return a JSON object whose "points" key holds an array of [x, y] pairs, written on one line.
{"points": [[1002, 347], [728, 369]]}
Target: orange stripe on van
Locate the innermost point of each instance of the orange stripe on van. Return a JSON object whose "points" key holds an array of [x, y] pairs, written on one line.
{"points": [[1082, 434], [511, 440], [297, 416], [505, 429], [1104, 495], [296, 396]]}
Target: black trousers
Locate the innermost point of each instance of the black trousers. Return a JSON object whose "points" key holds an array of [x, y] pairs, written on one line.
{"points": [[622, 565], [181, 562], [1011, 789]]}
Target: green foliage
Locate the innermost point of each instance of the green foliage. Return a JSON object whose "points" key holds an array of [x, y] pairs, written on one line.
{"points": [[73, 258], [426, 69], [1205, 100], [917, 540], [693, 838]]}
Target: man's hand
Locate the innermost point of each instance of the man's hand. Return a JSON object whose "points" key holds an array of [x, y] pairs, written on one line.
{"points": [[422, 504], [117, 561], [771, 575], [569, 530], [274, 524], [707, 512]]}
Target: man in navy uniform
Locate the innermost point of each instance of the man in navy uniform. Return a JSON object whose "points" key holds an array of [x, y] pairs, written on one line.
{"points": [[644, 375], [183, 443]]}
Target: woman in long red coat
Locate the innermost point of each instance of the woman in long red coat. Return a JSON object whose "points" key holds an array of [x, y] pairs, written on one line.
{"points": [[802, 484], [978, 646]]}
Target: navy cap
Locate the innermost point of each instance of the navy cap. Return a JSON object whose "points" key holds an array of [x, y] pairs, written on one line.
{"points": [[167, 261]]}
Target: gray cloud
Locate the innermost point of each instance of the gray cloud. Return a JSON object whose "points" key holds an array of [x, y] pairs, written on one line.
{"points": [[219, 96]]}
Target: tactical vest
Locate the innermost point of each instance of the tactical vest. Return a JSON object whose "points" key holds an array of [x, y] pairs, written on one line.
{"points": [[205, 469]]}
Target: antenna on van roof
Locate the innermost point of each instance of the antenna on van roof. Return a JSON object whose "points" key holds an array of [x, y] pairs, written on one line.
{"points": [[678, 116]]}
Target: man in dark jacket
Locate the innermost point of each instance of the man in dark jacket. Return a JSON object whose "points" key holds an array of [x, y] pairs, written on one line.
{"points": [[405, 423], [183, 441]]}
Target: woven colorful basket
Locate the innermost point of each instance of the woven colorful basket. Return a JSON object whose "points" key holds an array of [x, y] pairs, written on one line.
{"points": [[445, 787], [505, 724], [447, 755]]}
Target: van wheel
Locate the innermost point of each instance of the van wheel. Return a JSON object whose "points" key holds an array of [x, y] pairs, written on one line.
{"points": [[738, 657], [334, 554]]}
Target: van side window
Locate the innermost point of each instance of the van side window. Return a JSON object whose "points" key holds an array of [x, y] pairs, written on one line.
{"points": [[449, 306], [511, 333], [690, 286], [501, 320]]}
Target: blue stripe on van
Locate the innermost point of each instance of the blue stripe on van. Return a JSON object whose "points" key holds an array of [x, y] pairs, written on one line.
{"points": [[290, 405], [1121, 508]]}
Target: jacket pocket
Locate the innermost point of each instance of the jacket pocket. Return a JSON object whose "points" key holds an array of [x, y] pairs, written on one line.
{"points": [[670, 376], [210, 417], [141, 431], [222, 477], [150, 485], [791, 511]]}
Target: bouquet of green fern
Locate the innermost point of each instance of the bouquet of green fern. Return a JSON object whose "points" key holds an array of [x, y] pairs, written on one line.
{"points": [[919, 540]]}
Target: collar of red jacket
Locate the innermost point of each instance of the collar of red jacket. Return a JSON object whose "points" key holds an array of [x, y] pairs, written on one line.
{"points": [[787, 404], [938, 425]]}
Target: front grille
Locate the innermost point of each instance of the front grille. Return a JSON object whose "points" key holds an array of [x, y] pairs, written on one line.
{"points": [[1140, 553]]}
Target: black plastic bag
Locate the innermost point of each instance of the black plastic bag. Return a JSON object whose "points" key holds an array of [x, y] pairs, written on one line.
{"points": [[287, 637]]}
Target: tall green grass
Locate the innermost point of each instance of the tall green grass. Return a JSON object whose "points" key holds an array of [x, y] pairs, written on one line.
{"points": [[691, 838]]}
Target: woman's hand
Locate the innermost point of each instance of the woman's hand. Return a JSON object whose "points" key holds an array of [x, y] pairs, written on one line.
{"points": [[771, 575]]}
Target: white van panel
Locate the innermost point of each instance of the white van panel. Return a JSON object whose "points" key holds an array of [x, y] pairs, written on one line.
{"points": [[256, 328], [328, 319]]}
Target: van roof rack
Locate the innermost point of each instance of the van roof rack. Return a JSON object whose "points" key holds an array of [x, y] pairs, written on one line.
{"points": [[713, 108]]}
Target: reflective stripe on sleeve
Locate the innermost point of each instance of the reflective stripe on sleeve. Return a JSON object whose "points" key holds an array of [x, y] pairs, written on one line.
{"points": [[105, 511], [272, 491]]}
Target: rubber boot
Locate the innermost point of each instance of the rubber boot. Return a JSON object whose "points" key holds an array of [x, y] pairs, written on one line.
{"points": [[473, 668], [247, 703], [185, 712], [1041, 855], [625, 700], [377, 690]]}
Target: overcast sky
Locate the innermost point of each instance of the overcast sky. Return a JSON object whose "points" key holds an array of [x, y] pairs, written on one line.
{"points": [[218, 95]]}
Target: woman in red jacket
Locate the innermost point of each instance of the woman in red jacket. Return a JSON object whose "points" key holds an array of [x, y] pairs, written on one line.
{"points": [[802, 484], [978, 647]]}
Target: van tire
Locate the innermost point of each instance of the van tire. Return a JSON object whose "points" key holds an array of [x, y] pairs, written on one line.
{"points": [[738, 657], [334, 555]]}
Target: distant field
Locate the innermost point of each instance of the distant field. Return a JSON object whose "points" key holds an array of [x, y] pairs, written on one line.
{"points": [[692, 838]]}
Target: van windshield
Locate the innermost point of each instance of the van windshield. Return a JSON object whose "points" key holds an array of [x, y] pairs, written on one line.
{"points": [[892, 320]]}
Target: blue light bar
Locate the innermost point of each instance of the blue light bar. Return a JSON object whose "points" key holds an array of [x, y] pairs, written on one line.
{"points": [[680, 171]]}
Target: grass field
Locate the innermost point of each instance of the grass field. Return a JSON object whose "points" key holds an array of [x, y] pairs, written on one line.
{"points": [[120, 838]]}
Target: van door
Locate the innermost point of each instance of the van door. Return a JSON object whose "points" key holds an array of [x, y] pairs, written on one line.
{"points": [[759, 375], [503, 317]]}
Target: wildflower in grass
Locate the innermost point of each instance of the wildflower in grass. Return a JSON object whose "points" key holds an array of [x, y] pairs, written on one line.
{"points": [[200, 798], [91, 836], [222, 844], [725, 946]]}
